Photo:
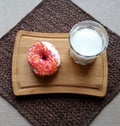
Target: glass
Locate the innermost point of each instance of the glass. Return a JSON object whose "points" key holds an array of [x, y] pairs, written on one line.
{"points": [[87, 39]]}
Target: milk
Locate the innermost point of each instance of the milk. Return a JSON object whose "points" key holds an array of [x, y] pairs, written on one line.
{"points": [[87, 39], [86, 42]]}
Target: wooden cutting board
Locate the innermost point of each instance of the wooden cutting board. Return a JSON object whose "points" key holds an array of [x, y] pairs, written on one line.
{"points": [[70, 78]]}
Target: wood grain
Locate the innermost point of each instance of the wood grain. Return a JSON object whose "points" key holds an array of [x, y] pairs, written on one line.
{"points": [[70, 78]]}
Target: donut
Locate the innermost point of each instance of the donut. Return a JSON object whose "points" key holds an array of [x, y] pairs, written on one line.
{"points": [[43, 58]]}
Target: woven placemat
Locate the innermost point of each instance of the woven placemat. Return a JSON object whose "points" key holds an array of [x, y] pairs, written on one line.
{"points": [[57, 109]]}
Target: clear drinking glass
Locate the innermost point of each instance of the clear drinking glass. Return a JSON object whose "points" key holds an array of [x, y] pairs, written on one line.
{"points": [[87, 39]]}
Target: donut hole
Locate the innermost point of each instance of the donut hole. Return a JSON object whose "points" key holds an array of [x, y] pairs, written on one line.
{"points": [[44, 57]]}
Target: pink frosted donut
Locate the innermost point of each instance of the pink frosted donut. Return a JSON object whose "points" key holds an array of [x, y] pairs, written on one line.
{"points": [[43, 58]]}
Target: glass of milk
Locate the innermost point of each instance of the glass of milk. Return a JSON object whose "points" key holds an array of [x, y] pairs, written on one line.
{"points": [[87, 39]]}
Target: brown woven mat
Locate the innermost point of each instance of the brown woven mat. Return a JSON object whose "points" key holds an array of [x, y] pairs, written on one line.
{"points": [[57, 109]]}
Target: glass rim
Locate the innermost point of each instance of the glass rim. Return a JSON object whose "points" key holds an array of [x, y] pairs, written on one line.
{"points": [[90, 22]]}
